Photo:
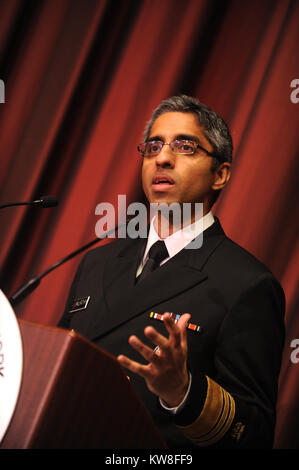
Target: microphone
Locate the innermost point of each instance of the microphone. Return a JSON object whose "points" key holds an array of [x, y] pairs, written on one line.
{"points": [[44, 201], [29, 286]]}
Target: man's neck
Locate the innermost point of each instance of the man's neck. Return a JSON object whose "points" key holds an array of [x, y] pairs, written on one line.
{"points": [[167, 226]]}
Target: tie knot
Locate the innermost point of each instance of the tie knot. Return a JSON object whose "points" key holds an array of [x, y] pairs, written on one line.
{"points": [[158, 252]]}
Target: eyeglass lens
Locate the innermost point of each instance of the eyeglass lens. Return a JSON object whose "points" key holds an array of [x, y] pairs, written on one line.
{"points": [[177, 146]]}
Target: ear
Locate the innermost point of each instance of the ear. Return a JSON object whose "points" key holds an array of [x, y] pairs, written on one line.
{"points": [[221, 176]]}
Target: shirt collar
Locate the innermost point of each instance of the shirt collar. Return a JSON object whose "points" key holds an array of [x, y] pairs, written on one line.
{"points": [[178, 240]]}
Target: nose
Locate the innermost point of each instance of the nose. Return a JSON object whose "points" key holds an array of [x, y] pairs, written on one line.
{"points": [[166, 158]]}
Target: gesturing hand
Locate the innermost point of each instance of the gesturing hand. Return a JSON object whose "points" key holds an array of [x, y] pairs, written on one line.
{"points": [[166, 373]]}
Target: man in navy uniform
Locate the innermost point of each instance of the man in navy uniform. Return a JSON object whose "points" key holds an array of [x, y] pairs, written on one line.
{"points": [[200, 329]]}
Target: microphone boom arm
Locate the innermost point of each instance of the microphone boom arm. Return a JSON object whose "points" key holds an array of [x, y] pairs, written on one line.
{"points": [[44, 201], [29, 286]]}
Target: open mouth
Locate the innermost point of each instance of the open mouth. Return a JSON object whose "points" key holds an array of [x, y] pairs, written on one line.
{"points": [[162, 180]]}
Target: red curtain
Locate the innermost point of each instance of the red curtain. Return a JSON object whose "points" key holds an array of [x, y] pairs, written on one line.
{"points": [[81, 79]]}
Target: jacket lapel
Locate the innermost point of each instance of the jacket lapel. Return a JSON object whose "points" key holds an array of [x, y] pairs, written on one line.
{"points": [[125, 299]]}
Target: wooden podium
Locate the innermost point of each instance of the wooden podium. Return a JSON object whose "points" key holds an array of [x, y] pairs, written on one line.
{"points": [[75, 396]]}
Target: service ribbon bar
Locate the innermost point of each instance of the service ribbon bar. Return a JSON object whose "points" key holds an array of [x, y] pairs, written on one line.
{"points": [[159, 316]]}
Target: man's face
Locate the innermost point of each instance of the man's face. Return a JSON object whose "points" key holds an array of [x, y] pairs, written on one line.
{"points": [[188, 178]]}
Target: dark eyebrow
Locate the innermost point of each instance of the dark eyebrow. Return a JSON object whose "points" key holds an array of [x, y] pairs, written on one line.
{"points": [[194, 138], [155, 138]]}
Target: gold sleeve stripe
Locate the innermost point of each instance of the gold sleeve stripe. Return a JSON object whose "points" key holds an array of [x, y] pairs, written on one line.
{"points": [[215, 418]]}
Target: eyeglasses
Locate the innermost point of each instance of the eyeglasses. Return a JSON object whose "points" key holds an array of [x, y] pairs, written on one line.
{"points": [[180, 147]]}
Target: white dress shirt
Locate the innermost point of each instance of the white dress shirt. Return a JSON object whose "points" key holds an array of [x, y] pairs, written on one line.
{"points": [[178, 240], [175, 243]]}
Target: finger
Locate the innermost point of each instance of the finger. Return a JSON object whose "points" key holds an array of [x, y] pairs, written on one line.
{"points": [[177, 330], [173, 330], [182, 325], [156, 338], [183, 320], [145, 351], [133, 366]]}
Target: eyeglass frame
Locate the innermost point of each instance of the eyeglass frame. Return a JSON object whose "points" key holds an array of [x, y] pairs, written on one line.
{"points": [[197, 146]]}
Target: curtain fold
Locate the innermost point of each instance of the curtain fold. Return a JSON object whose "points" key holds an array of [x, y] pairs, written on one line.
{"points": [[81, 79]]}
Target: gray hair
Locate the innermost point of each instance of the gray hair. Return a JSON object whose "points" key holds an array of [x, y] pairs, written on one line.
{"points": [[215, 129]]}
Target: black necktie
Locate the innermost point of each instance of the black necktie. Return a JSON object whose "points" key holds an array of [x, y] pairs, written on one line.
{"points": [[157, 253]]}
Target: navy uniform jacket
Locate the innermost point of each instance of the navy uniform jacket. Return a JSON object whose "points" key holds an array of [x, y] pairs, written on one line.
{"points": [[234, 358]]}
